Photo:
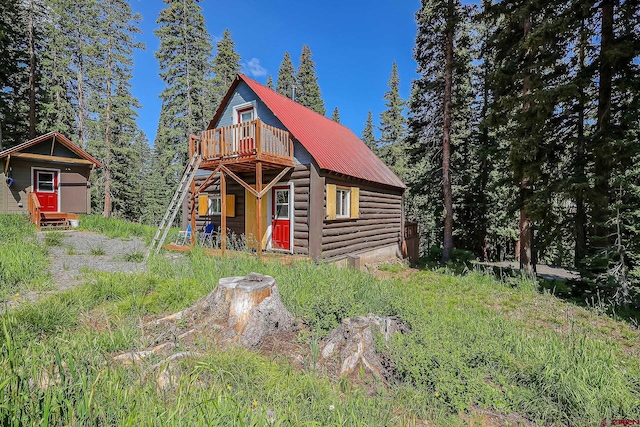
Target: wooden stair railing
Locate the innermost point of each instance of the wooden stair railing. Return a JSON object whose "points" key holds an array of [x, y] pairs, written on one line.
{"points": [[34, 209]]}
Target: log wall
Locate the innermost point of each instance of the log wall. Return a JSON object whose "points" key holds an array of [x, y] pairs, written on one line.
{"points": [[378, 225]]}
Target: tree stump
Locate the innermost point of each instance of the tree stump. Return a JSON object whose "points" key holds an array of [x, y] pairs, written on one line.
{"points": [[242, 310], [245, 309], [353, 343]]}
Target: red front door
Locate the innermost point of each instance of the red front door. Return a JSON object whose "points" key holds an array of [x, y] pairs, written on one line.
{"points": [[281, 225], [45, 185]]}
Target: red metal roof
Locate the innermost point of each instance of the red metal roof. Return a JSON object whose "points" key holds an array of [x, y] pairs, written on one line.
{"points": [[333, 146], [60, 138]]}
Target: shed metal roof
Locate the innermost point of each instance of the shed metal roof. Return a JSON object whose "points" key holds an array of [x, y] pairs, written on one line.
{"points": [[60, 138], [332, 145]]}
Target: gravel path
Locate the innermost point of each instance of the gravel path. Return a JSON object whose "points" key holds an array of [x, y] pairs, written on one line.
{"points": [[82, 251]]}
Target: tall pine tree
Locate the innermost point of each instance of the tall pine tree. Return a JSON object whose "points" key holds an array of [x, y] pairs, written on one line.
{"points": [[368, 136], [114, 131], [286, 77], [307, 90], [393, 125], [11, 56], [226, 66], [184, 58], [441, 56], [336, 115]]}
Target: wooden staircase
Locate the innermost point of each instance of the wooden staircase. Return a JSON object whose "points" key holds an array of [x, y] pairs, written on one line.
{"points": [[56, 220], [48, 220]]}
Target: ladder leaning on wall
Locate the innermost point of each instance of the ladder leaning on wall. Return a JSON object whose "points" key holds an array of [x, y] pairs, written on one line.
{"points": [[175, 205]]}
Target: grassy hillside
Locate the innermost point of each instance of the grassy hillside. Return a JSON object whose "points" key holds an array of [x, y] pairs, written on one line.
{"points": [[23, 263], [481, 352]]}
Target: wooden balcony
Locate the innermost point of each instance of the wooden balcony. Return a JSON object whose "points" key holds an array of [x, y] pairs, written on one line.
{"points": [[241, 146]]}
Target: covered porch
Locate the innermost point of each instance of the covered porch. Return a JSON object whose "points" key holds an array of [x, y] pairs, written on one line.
{"points": [[244, 153]]}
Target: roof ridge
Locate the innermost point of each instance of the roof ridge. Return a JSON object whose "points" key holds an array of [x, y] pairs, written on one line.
{"points": [[244, 76]]}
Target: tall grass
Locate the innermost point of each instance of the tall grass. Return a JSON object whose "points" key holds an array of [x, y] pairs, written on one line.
{"points": [[463, 353], [116, 228], [23, 262]]}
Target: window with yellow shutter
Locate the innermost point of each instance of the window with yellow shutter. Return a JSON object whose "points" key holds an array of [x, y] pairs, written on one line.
{"points": [[215, 205], [342, 202]]}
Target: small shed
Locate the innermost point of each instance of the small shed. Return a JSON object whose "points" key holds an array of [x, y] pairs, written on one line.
{"points": [[49, 171]]}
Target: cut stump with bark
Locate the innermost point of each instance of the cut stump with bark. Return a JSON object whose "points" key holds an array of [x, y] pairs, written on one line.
{"points": [[241, 311], [352, 344]]}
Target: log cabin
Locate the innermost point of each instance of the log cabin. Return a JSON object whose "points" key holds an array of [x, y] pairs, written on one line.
{"points": [[292, 180], [48, 178]]}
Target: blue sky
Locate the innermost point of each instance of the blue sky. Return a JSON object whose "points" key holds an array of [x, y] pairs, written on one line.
{"points": [[353, 42]]}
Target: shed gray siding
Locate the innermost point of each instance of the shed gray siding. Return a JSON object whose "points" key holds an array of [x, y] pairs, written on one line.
{"points": [[16, 197], [44, 148], [74, 194]]}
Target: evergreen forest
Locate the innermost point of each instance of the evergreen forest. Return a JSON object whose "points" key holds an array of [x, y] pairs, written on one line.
{"points": [[520, 140]]}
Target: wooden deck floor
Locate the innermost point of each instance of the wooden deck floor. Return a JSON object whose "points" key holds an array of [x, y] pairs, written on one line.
{"points": [[285, 259]]}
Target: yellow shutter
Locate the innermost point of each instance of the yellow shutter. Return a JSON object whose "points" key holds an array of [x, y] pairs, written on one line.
{"points": [[331, 201], [231, 205], [355, 202], [203, 205]]}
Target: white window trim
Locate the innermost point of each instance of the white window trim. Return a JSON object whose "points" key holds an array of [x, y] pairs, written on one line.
{"points": [[292, 221], [241, 107], [209, 208], [348, 203], [33, 188]]}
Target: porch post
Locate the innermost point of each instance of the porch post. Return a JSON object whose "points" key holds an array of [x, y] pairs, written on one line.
{"points": [[192, 206], [259, 208], [223, 213]]}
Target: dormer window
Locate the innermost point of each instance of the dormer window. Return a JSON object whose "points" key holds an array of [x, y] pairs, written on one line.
{"points": [[245, 115]]}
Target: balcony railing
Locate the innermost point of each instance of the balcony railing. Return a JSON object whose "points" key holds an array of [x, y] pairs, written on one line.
{"points": [[251, 140]]}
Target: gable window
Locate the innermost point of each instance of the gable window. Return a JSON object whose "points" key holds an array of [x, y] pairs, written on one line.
{"points": [[342, 202], [245, 115]]}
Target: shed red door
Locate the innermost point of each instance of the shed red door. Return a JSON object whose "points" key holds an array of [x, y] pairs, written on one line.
{"points": [[45, 185], [281, 225]]}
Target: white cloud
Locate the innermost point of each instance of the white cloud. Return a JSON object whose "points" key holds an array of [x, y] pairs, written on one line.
{"points": [[254, 68]]}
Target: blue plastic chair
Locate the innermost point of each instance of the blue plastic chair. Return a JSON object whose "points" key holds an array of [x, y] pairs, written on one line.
{"points": [[207, 235]]}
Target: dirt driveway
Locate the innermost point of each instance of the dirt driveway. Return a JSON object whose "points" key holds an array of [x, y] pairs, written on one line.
{"points": [[80, 252]]}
